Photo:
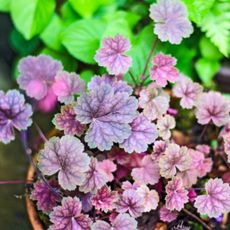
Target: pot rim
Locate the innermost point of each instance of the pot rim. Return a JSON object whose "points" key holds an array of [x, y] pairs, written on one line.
{"points": [[30, 207]]}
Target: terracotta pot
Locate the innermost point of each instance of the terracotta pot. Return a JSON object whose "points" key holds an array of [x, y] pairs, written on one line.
{"points": [[31, 209]]}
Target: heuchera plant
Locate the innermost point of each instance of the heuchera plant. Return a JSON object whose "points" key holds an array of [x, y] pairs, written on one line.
{"points": [[120, 158]]}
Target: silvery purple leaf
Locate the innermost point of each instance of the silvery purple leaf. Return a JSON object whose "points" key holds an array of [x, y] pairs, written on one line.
{"points": [[143, 133], [14, 113], [37, 75], [108, 114], [117, 85], [65, 155]]}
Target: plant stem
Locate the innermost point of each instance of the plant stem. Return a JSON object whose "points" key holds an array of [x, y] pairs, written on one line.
{"points": [[148, 59], [6, 182], [133, 78], [196, 218], [30, 159], [203, 132]]}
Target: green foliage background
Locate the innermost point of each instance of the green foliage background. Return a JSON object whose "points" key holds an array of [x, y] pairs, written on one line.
{"points": [[72, 31]]}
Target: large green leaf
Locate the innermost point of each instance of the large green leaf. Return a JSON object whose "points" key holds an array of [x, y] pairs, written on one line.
{"points": [[86, 8], [31, 16], [51, 36], [209, 50], [198, 9], [206, 70], [5, 5], [216, 24], [82, 39]]}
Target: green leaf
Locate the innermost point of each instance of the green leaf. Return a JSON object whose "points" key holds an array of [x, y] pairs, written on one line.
{"points": [[82, 39], [68, 62], [198, 9], [206, 70], [22, 46], [216, 24], [31, 16], [208, 50], [86, 8], [184, 62], [86, 75], [68, 14], [5, 5], [51, 36]]}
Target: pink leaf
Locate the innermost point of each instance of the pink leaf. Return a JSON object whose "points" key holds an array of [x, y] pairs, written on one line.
{"points": [[148, 173], [104, 199], [112, 55], [143, 133], [154, 102], [66, 120], [107, 167], [66, 85], [94, 178], [177, 196], [46, 199], [164, 126], [150, 198], [217, 199], [130, 202], [187, 91], [167, 215], [175, 158], [68, 216], [66, 157], [171, 20], [212, 107], [164, 69], [121, 222]]}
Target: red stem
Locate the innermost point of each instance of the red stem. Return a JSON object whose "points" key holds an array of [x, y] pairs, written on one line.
{"points": [[15, 182]]}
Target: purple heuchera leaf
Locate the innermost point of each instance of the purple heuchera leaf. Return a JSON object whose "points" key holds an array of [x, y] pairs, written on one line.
{"points": [[68, 216], [112, 55], [66, 157], [117, 85], [123, 221], [46, 199], [143, 133], [14, 113], [37, 75], [94, 178], [66, 85], [177, 195], [148, 173], [171, 20], [104, 199], [108, 114], [66, 120], [217, 199], [130, 202]]}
